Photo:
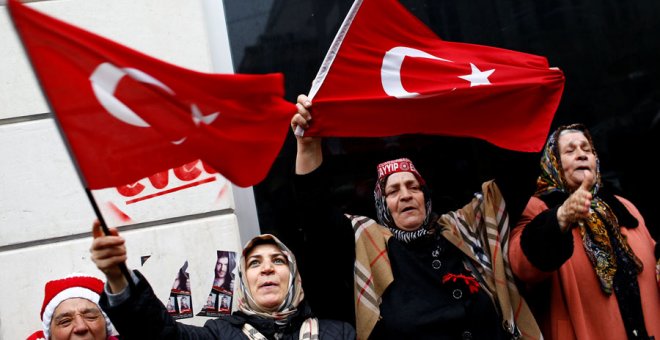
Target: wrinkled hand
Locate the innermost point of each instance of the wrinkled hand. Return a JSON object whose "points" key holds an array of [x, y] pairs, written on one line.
{"points": [[108, 252], [577, 205]]}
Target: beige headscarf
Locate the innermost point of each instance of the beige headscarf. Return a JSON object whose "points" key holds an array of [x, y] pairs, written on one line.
{"points": [[295, 294]]}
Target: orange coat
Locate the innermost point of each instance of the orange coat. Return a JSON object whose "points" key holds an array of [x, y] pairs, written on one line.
{"points": [[578, 309]]}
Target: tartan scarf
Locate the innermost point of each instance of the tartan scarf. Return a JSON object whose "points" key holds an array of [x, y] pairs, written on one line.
{"points": [[308, 330], [602, 223], [480, 230]]}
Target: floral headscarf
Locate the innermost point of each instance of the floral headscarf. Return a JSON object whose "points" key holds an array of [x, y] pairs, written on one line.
{"points": [[385, 169], [601, 229], [552, 177], [293, 298]]}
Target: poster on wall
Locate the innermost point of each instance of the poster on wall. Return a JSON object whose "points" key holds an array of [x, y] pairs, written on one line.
{"points": [[179, 304], [220, 298]]}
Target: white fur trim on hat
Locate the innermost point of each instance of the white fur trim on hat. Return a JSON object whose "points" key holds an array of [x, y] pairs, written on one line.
{"points": [[73, 292], [69, 293]]}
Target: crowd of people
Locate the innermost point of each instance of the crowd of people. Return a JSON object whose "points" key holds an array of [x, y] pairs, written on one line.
{"points": [[555, 255], [524, 271]]}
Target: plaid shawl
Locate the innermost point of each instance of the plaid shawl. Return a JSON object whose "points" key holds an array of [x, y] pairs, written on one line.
{"points": [[480, 230]]}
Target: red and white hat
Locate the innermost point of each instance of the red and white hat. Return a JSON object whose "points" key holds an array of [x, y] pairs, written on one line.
{"points": [[38, 335], [72, 286], [398, 165]]}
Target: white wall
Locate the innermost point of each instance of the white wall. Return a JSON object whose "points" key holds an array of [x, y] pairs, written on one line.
{"points": [[45, 216]]}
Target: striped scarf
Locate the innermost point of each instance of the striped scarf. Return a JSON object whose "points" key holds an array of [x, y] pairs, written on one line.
{"points": [[480, 230]]}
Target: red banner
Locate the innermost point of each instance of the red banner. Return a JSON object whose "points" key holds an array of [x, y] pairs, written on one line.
{"points": [[127, 115], [388, 74]]}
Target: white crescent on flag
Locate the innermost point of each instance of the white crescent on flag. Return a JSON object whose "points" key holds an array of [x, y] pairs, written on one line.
{"points": [[390, 72], [104, 81]]}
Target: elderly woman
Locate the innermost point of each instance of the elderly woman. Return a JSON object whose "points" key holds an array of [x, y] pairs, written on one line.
{"points": [[414, 274], [585, 252], [271, 299]]}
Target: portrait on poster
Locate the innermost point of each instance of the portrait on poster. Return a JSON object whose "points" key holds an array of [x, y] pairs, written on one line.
{"points": [[179, 304], [219, 301]]}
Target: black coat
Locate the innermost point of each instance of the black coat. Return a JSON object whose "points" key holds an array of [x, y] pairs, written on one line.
{"points": [[144, 317]]}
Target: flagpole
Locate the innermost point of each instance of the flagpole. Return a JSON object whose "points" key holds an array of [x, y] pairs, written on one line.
{"points": [[88, 192], [330, 57]]}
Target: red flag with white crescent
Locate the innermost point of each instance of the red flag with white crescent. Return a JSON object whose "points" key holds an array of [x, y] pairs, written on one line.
{"points": [[127, 115], [388, 74]]}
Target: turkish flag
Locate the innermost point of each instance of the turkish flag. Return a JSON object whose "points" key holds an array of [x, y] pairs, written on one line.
{"points": [[127, 115], [388, 74]]}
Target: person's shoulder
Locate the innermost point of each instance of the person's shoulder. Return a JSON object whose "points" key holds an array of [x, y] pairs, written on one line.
{"points": [[335, 329], [624, 210], [226, 326], [626, 202], [536, 202]]}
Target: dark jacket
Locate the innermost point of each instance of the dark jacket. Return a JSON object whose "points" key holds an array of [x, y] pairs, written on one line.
{"points": [[144, 317]]}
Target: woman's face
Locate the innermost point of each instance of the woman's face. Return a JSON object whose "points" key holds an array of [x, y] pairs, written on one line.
{"points": [[267, 276], [577, 157], [405, 200]]}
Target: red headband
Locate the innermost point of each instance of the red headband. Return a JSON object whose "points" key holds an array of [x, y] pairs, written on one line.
{"points": [[398, 165]]}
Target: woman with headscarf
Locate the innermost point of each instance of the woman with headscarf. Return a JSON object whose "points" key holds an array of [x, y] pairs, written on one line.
{"points": [[585, 253], [271, 301], [413, 274]]}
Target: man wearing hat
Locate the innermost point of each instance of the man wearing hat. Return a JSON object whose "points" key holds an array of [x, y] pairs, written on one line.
{"points": [[70, 310]]}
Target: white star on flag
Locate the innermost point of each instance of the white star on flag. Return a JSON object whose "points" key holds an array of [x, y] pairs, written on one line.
{"points": [[478, 77], [198, 117]]}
